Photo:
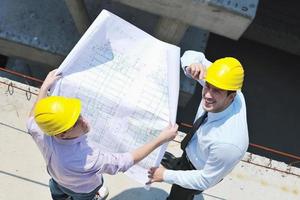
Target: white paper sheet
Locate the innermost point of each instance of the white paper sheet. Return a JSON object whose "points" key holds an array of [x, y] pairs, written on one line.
{"points": [[128, 82]]}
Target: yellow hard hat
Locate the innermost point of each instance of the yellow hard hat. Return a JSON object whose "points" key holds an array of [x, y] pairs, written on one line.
{"points": [[56, 114], [226, 73]]}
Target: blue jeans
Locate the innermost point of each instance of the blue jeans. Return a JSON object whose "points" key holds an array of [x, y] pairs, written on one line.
{"points": [[59, 192]]}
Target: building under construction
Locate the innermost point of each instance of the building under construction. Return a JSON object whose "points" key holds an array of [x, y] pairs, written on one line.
{"points": [[36, 36]]}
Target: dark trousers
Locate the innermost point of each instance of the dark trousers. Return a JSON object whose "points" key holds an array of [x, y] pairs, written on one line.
{"points": [[177, 192]]}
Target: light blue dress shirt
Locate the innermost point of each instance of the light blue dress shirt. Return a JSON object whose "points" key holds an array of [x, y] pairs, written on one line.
{"points": [[218, 145]]}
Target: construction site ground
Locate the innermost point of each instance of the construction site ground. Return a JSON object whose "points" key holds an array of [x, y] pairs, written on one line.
{"points": [[23, 173]]}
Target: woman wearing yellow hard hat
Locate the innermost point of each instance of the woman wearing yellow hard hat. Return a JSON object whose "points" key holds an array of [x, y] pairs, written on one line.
{"points": [[74, 163], [219, 137]]}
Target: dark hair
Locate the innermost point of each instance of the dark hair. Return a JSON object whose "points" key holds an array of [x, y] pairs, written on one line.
{"points": [[229, 92]]}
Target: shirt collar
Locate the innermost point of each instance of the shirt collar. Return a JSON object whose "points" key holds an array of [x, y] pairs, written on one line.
{"points": [[219, 115], [70, 141]]}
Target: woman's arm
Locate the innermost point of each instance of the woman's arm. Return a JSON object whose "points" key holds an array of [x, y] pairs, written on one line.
{"points": [[166, 135], [48, 82]]}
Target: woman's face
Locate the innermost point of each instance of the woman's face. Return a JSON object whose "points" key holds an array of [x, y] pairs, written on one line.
{"points": [[80, 127]]}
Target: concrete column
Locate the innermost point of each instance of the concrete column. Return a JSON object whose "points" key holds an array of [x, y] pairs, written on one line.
{"points": [[79, 13], [170, 30]]}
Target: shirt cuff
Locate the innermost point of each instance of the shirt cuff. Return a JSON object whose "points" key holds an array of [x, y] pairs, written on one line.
{"points": [[32, 127], [29, 124], [129, 160], [189, 57], [168, 176]]}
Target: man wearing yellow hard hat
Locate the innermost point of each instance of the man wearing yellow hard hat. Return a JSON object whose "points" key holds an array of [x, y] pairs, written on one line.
{"points": [[219, 136], [75, 163]]}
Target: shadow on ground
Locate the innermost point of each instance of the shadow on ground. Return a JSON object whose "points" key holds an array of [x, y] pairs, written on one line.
{"points": [[142, 194]]}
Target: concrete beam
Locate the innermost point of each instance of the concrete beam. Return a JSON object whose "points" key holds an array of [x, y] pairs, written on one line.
{"points": [[79, 14], [277, 25], [170, 30], [14, 49], [229, 19], [284, 40]]}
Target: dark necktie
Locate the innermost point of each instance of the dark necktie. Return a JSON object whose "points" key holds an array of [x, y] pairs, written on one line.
{"points": [[195, 127]]}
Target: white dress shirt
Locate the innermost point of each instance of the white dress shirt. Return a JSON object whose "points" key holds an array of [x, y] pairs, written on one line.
{"points": [[218, 145]]}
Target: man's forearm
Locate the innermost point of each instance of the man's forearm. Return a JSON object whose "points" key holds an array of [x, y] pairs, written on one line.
{"points": [[190, 179], [48, 82]]}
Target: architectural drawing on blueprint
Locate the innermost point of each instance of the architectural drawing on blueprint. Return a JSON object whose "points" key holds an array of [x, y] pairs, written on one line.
{"points": [[122, 75]]}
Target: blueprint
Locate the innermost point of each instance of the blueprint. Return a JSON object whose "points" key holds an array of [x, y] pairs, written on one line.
{"points": [[128, 83]]}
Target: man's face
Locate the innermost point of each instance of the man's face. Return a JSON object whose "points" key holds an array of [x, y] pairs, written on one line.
{"points": [[215, 99], [81, 127]]}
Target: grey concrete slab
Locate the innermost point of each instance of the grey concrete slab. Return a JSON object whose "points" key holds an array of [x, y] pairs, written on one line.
{"points": [[42, 31], [42, 24]]}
